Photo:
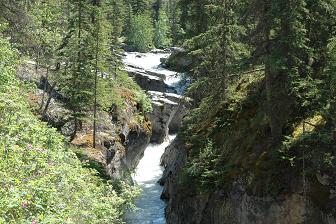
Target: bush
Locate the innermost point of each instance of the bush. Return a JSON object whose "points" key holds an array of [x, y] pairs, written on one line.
{"points": [[41, 179]]}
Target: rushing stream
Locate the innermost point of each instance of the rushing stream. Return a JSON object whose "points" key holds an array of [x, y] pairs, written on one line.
{"points": [[150, 208]]}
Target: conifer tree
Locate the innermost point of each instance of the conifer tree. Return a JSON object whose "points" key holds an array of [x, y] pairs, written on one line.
{"points": [[128, 20], [283, 36], [331, 86], [47, 21], [194, 18], [141, 33], [173, 12], [140, 6], [162, 31], [77, 78], [218, 52]]}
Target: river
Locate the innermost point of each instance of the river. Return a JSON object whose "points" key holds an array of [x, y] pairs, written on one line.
{"points": [[150, 208]]}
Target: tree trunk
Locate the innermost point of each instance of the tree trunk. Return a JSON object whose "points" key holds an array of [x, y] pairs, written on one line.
{"points": [[49, 99], [73, 136], [95, 93], [44, 88], [95, 20]]}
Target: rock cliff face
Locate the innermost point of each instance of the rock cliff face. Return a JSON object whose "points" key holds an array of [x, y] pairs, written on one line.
{"points": [[178, 61], [168, 108], [122, 158], [121, 139], [148, 81], [238, 207], [233, 207], [173, 161], [168, 112]]}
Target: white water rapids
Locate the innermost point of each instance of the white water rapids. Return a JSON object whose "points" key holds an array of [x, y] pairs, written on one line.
{"points": [[151, 62], [150, 208]]}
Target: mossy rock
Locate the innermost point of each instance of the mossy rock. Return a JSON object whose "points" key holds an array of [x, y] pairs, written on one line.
{"points": [[179, 61]]}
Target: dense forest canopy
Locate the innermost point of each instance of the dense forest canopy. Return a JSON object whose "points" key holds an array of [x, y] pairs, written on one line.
{"points": [[264, 92], [263, 76]]}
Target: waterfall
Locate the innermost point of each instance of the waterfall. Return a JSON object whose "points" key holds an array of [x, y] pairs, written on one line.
{"points": [[150, 208]]}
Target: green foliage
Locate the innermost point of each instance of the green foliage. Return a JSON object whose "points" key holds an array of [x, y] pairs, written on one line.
{"points": [[141, 33], [121, 89], [8, 59], [46, 24], [41, 179], [173, 13], [161, 32], [140, 6], [194, 19], [260, 69], [116, 12], [219, 53], [77, 78], [203, 168]]}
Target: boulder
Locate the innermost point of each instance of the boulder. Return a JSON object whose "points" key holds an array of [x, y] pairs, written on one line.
{"points": [[168, 112], [145, 81], [156, 74], [178, 61]]}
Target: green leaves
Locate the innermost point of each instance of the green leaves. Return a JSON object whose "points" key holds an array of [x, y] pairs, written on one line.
{"points": [[141, 34], [41, 179], [8, 59], [162, 31]]}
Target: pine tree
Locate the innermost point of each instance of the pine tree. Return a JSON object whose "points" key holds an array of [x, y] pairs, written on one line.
{"points": [[140, 6], [194, 18], [331, 83], [77, 78], [116, 11], [162, 31], [173, 12], [319, 19], [141, 33], [128, 20], [282, 37], [218, 52], [47, 21]]}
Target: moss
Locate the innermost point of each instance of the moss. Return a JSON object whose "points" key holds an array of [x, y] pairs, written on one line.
{"points": [[83, 140], [309, 124], [244, 149], [90, 162]]}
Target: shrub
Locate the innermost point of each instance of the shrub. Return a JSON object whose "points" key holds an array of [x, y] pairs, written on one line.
{"points": [[41, 179]]}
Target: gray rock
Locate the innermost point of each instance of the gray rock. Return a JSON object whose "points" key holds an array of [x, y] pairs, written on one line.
{"points": [[68, 129], [156, 74], [121, 141], [122, 159], [232, 207], [173, 161], [163, 60], [57, 115], [178, 61], [240, 208], [145, 81], [168, 112]]}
